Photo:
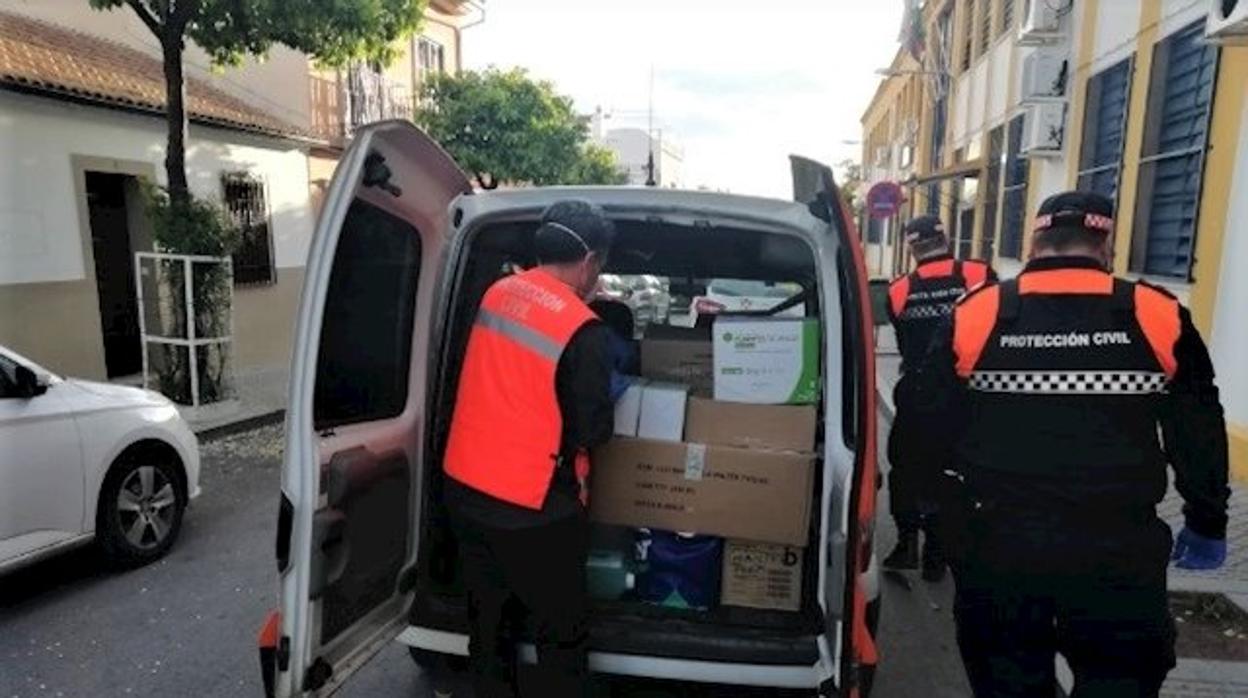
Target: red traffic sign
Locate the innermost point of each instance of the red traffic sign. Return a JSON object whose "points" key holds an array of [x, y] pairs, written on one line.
{"points": [[884, 199]]}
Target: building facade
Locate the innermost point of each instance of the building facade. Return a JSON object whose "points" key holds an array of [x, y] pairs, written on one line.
{"points": [[82, 124], [633, 148], [1141, 101]]}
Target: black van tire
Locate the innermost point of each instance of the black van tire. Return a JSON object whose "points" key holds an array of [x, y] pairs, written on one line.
{"points": [[119, 550]]}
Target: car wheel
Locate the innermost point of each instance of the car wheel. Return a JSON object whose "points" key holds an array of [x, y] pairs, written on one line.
{"points": [[140, 511]]}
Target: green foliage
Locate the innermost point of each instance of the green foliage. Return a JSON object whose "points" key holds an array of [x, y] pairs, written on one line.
{"points": [[193, 226], [334, 32], [851, 183], [597, 166], [503, 126]]}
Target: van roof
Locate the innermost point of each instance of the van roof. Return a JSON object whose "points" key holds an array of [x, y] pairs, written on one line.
{"points": [[653, 198]]}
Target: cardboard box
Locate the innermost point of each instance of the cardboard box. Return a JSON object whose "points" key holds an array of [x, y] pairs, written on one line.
{"points": [[761, 575], [678, 355], [628, 410], [771, 361], [779, 427], [716, 490], [663, 411]]}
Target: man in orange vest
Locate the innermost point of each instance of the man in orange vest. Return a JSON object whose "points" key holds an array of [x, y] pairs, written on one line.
{"points": [[918, 303], [1063, 395], [533, 399]]}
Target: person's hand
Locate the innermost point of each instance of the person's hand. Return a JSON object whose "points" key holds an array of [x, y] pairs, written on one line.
{"points": [[1193, 551]]}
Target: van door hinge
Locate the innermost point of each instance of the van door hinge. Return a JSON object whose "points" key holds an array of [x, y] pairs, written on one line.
{"points": [[283, 653], [317, 675]]}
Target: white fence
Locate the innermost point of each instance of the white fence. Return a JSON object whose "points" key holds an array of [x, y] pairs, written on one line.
{"points": [[186, 324]]}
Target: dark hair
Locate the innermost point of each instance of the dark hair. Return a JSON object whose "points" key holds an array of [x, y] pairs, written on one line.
{"points": [[616, 315], [1065, 238], [570, 230]]}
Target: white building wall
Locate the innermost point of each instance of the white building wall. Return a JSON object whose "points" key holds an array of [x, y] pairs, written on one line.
{"points": [[977, 94], [959, 103], [998, 83], [40, 229], [1117, 25], [1176, 14], [278, 84], [1229, 340]]}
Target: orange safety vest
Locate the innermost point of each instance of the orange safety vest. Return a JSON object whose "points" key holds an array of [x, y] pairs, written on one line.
{"points": [[507, 428]]}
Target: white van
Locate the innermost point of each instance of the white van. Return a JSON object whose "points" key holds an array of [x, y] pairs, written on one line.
{"points": [[403, 252]]}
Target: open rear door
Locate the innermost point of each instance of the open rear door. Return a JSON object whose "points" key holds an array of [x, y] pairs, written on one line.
{"points": [[813, 185], [355, 427]]}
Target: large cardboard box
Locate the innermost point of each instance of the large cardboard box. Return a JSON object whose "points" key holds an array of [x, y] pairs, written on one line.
{"points": [[715, 490], [628, 410], [678, 355], [663, 411], [779, 427], [770, 361], [761, 575]]}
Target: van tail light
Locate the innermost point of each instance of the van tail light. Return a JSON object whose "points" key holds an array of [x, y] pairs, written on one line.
{"points": [[707, 306], [274, 651]]}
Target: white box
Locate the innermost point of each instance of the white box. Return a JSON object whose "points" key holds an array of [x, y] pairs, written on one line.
{"points": [[771, 361], [663, 411], [628, 410]]}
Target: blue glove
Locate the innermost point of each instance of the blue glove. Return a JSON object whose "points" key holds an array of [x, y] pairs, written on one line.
{"points": [[1193, 551]]}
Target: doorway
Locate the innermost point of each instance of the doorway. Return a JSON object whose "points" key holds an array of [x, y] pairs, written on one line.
{"points": [[110, 200]]}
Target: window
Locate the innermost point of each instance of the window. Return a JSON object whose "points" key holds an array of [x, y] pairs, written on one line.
{"points": [[1014, 193], [1007, 16], [992, 191], [366, 336], [1104, 123], [432, 56], [985, 25], [245, 205], [968, 32], [933, 199], [1175, 136]]}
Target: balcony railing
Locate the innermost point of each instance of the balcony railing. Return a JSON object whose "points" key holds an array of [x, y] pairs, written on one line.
{"points": [[357, 97]]}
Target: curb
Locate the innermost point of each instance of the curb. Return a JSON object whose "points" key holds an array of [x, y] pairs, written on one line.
{"points": [[240, 426]]}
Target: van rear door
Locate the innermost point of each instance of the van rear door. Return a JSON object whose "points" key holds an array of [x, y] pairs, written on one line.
{"points": [[355, 427], [850, 630]]}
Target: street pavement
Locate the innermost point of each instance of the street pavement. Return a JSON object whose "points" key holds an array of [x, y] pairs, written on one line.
{"points": [[187, 625]]}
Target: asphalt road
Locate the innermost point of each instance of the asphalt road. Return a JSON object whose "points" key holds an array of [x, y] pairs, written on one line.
{"points": [[187, 625]]}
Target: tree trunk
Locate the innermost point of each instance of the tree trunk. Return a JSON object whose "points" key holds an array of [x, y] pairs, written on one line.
{"points": [[175, 114]]}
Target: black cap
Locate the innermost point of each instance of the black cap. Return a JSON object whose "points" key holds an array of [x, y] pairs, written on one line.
{"points": [[924, 228], [1078, 209], [571, 229]]}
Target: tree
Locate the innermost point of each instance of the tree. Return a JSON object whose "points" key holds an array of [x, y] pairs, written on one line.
{"points": [[503, 126], [333, 33], [852, 184], [597, 166]]}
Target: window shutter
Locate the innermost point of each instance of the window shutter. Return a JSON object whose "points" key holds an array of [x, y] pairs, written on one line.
{"points": [[1176, 160]]}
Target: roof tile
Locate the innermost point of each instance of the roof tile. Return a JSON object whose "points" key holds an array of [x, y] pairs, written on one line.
{"points": [[46, 57]]}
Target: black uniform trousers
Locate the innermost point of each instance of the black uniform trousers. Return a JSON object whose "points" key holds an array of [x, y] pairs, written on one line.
{"points": [[538, 571], [1029, 588]]}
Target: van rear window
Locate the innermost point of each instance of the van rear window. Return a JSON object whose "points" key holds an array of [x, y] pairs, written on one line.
{"points": [[366, 332]]}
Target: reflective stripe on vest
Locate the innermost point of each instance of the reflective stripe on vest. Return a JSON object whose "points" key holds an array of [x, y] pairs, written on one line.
{"points": [[1155, 315], [507, 427]]}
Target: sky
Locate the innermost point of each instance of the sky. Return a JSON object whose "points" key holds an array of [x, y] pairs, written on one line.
{"points": [[740, 87]]}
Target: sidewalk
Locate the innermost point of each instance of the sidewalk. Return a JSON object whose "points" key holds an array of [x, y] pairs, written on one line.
{"points": [[261, 399], [1192, 678]]}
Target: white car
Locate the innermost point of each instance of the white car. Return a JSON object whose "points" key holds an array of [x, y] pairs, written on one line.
{"points": [[83, 461], [744, 296]]}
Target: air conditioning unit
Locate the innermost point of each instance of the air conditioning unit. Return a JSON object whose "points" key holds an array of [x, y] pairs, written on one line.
{"points": [[1228, 21], [1043, 129], [1042, 21], [1044, 76]]}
